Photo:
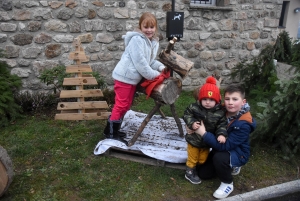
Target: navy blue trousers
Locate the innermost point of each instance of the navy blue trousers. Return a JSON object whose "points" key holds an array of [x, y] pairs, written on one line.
{"points": [[216, 165]]}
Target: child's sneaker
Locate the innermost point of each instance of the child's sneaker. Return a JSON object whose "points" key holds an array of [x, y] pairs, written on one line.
{"points": [[236, 170], [191, 175], [223, 191]]}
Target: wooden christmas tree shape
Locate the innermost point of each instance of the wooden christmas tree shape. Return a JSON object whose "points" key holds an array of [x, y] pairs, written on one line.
{"points": [[81, 110]]}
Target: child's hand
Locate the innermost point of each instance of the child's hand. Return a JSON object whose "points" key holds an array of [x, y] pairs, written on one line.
{"points": [[189, 131], [201, 130], [221, 139], [165, 70], [196, 125]]}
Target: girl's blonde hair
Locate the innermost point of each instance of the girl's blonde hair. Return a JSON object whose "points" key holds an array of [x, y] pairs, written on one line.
{"points": [[149, 20]]}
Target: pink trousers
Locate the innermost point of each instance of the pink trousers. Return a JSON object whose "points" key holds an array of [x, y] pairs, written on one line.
{"points": [[123, 99]]}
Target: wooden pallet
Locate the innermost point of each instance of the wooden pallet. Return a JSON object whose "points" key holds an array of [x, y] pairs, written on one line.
{"points": [[81, 110], [138, 156]]}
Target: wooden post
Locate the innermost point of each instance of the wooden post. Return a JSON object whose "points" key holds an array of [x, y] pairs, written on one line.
{"points": [[170, 45], [77, 44], [177, 120]]}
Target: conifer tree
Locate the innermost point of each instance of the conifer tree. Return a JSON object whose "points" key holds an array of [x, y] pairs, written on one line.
{"points": [[9, 83], [279, 118], [296, 55], [283, 47]]}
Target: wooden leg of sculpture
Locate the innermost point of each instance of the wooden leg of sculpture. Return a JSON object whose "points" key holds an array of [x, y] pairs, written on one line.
{"points": [[144, 123], [177, 120]]}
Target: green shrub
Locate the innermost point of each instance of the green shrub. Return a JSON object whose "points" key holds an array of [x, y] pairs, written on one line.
{"points": [[109, 96], [280, 119], [36, 101], [9, 84], [56, 75]]}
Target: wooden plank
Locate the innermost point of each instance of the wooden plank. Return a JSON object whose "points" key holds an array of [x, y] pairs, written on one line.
{"points": [[100, 112], [80, 81], [86, 111], [77, 55], [139, 157], [80, 116], [81, 93], [79, 68], [76, 42], [81, 105]]}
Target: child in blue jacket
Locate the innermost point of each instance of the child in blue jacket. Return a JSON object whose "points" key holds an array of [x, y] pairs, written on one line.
{"points": [[235, 152]]}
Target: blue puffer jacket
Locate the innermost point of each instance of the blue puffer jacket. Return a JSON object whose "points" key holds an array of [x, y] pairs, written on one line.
{"points": [[237, 143], [138, 59]]}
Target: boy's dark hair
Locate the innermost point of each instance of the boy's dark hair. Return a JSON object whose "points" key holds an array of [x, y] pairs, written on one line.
{"points": [[235, 88]]}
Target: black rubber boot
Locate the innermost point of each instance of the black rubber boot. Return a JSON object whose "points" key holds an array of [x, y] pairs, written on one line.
{"points": [[111, 131], [116, 133], [106, 132]]}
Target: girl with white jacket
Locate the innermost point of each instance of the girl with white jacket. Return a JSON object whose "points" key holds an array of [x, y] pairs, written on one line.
{"points": [[137, 62]]}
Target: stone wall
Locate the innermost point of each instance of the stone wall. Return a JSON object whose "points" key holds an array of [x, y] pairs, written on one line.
{"points": [[36, 35]]}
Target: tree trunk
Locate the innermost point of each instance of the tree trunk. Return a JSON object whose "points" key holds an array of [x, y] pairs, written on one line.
{"points": [[167, 92], [176, 62], [6, 171]]}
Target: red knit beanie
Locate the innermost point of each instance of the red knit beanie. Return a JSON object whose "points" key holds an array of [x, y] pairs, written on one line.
{"points": [[210, 90]]}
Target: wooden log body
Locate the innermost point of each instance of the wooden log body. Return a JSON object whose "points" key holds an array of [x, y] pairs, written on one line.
{"points": [[167, 92], [176, 62]]}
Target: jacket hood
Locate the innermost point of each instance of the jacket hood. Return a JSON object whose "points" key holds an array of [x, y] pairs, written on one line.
{"points": [[248, 118], [136, 32]]}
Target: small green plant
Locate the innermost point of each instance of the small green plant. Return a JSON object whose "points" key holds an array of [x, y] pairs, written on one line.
{"points": [[9, 84], [56, 75], [100, 81], [109, 96]]}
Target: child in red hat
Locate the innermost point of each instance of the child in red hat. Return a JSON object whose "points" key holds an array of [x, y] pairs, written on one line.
{"points": [[208, 109]]}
